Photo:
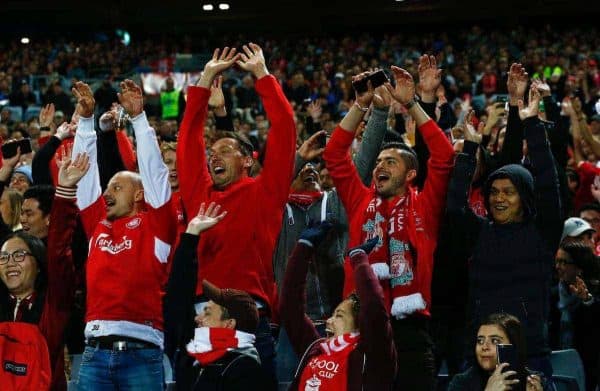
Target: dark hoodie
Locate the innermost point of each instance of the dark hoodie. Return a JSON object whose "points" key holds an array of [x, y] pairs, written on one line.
{"points": [[511, 264]]}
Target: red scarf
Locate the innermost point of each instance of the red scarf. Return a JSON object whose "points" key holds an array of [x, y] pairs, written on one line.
{"points": [[304, 199], [477, 201], [211, 343], [328, 371], [392, 257]]}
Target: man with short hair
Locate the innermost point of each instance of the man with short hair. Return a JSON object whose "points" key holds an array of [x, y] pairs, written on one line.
{"points": [[35, 212], [406, 221], [131, 228], [238, 253]]}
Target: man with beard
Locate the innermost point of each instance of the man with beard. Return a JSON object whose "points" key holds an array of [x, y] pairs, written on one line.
{"points": [[309, 203], [406, 221]]}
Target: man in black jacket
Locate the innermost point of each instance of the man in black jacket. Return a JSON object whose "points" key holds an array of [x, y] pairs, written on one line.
{"points": [[214, 349], [512, 252]]}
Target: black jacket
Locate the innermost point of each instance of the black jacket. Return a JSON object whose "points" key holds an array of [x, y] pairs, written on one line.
{"points": [[511, 264], [475, 379], [237, 370]]}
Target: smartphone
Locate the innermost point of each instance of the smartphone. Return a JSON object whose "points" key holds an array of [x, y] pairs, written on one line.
{"points": [[507, 353], [322, 140], [361, 86], [378, 78], [9, 149]]}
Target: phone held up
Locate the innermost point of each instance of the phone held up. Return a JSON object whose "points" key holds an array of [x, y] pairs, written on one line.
{"points": [[507, 353], [376, 78], [9, 148]]}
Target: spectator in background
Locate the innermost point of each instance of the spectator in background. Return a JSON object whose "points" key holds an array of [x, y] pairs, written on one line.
{"points": [[591, 214], [23, 96], [59, 98], [105, 96], [10, 209], [579, 305], [172, 102], [6, 118], [578, 230], [35, 212]]}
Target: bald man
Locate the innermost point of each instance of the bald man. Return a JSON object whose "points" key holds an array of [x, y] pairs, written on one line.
{"points": [[131, 229]]}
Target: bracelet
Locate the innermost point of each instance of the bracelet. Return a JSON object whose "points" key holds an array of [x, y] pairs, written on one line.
{"points": [[363, 109], [44, 128], [410, 104]]}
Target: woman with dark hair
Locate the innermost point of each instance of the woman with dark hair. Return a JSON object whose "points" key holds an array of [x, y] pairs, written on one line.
{"points": [[38, 285], [489, 374], [359, 353]]}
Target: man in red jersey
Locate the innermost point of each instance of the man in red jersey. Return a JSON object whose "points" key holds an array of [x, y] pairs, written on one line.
{"points": [[238, 252], [131, 228]]}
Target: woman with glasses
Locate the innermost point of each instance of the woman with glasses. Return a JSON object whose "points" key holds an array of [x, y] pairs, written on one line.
{"points": [[38, 284]]}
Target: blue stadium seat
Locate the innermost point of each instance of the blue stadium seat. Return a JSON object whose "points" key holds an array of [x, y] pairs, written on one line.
{"points": [[567, 363], [16, 112], [32, 112]]}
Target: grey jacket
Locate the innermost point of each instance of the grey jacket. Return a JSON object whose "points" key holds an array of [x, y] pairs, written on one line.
{"points": [[325, 278]]}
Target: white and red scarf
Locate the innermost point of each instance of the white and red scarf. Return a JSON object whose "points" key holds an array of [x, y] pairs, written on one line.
{"points": [[304, 199], [392, 258], [328, 371], [211, 343]]}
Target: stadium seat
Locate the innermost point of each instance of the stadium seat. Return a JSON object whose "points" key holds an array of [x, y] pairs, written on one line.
{"points": [[16, 112], [32, 112], [567, 363], [565, 383]]}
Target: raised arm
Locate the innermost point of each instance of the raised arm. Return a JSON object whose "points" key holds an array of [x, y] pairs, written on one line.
{"points": [[194, 178], [89, 189], [337, 156], [61, 273], [374, 320], [549, 216], [459, 212], [512, 149], [217, 103], [154, 172], [178, 307], [278, 165], [292, 303], [373, 136]]}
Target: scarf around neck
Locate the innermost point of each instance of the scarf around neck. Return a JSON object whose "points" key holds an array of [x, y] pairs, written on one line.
{"points": [[212, 343], [304, 199], [392, 259]]}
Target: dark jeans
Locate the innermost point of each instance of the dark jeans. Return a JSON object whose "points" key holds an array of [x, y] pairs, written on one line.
{"points": [[265, 345], [416, 363], [107, 370]]}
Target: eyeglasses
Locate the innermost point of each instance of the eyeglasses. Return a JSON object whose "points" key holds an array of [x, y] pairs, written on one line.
{"points": [[17, 256]]}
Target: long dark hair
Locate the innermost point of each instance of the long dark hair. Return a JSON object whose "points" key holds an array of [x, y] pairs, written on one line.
{"points": [[511, 326], [38, 252]]}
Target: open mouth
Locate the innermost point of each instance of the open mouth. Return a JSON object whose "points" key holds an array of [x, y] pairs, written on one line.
{"points": [[109, 203], [173, 175], [382, 177], [310, 178], [500, 208], [13, 274]]}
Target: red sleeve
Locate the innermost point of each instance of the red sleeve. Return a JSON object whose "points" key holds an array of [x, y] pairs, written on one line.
{"points": [[278, 166], [587, 173], [92, 215], [439, 166], [192, 170], [292, 304], [126, 151], [61, 273], [164, 222], [343, 172], [375, 327]]}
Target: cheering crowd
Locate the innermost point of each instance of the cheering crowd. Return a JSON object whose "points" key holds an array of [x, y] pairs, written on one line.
{"points": [[349, 235]]}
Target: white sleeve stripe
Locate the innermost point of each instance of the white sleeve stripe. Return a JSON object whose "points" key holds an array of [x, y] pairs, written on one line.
{"points": [[88, 190], [154, 172]]}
